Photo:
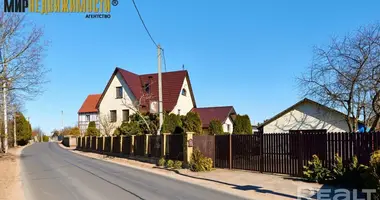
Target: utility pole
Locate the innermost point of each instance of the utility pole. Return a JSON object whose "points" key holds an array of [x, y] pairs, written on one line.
{"points": [[5, 138], [14, 126], [160, 107]]}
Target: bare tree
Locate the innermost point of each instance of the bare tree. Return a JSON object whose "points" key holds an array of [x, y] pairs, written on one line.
{"points": [[21, 69], [345, 75], [141, 105], [106, 126]]}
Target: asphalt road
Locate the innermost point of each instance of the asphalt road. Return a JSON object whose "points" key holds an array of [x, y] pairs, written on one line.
{"points": [[50, 172]]}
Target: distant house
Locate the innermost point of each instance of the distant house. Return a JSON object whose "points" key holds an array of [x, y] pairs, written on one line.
{"points": [[306, 115], [224, 114], [255, 129], [88, 112]]}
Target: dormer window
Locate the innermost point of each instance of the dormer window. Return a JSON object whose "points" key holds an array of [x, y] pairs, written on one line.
{"points": [[147, 88], [184, 92], [119, 92]]}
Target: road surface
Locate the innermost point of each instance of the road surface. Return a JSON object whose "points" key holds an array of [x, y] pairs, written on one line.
{"points": [[50, 172]]}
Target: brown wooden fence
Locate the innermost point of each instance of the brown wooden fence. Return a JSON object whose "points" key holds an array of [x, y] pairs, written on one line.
{"points": [[79, 142], [88, 143], [175, 147], [107, 144], [116, 145], [206, 145], [138, 147], [222, 151], [93, 143], [126, 149], [100, 144], [83, 145], [154, 146]]}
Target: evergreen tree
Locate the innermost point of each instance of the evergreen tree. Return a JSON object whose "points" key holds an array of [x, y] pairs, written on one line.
{"points": [[192, 123], [242, 125], [23, 130], [215, 127]]}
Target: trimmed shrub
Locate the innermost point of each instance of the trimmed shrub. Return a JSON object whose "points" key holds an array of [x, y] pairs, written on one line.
{"points": [[242, 125], [129, 128], [315, 172], [192, 123], [177, 164], [45, 138], [215, 127], [91, 124], [169, 164], [92, 131], [172, 123], [161, 162], [200, 163]]}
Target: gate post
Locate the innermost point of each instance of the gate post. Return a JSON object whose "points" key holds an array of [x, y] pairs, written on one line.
{"points": [[104, 143], [111, 148], [187, 147], [163, 144], [121, 144], [96, 143], [85, 142], [132, 145], [230, 151], [261, 135], [90, 142], [146, 144]]}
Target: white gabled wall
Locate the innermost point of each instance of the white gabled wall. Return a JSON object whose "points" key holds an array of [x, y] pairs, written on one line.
{"points": [[225, 125], [110, 102], [308, 116], [185, 103], [83, 122]]}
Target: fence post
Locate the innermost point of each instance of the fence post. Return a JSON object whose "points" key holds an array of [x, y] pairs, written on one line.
{"points": [[188, 147], [300, 159], [90, 142], [121, 144], [261, 135], [163, 144], [96, 143], [111, 148], [146, 144], [85, 142], [230, 151], [132, 145], [104, 143]]}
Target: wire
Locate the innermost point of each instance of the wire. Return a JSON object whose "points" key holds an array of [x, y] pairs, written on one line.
{"points": [[147, 30], [163, 54], [142, 21]]}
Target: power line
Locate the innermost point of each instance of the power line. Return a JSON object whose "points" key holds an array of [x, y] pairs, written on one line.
{"points": [[147, 31], [142, 21]]}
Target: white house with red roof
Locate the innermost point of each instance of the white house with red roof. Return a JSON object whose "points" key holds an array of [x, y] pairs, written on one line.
{"points": [[225, 114], [126, 92]]}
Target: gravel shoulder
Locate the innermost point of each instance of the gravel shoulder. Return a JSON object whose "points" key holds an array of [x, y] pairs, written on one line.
{"points": [[10, 175]]}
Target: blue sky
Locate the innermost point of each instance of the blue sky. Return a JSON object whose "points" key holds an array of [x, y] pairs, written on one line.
{"points": [[241, 53]]}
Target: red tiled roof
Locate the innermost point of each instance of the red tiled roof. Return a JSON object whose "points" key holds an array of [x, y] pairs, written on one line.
{"points": [[89, 105], [209, 113], [171, 86]]}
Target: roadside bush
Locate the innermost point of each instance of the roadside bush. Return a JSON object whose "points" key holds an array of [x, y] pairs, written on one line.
{"points": [[172, 123], [129, 128], [338, 170], [199, 162], [92, 131], [315, 172], [177, 164], [215, 127], [374, 172], [169, 164], [45, 138], [351, 177], [23, 130], [161, 162]]}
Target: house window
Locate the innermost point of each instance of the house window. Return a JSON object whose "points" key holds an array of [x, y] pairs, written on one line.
{"points": [[228, 127], [119, 92], [179, 111], [184, 92], [125, 115], [113, 115], [88, 118], [147, 88]]}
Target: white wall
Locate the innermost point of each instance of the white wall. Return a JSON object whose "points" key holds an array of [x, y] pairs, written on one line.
{"points": [[83, 122], [228, 121], [110, 102], [308, 116], [184, 103]]}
